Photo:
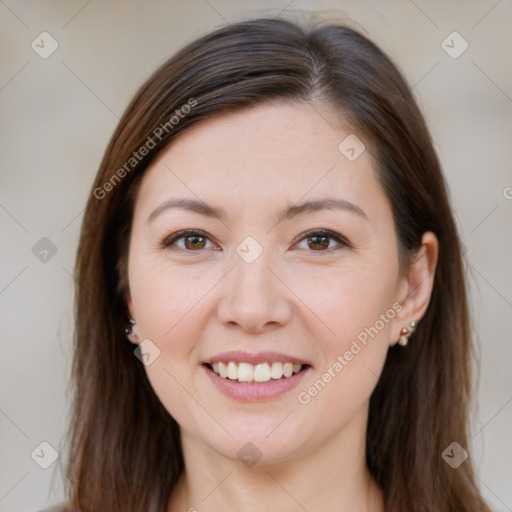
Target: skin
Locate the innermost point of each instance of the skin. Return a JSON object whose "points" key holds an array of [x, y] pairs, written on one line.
{"points": [[295, 298]]}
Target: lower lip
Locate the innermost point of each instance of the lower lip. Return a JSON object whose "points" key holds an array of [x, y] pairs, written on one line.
{"points": [[255, 391]]}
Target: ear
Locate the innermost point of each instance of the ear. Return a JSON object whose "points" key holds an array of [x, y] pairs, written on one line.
{"points": [[415, 287], [132, 336], [129, 304]]}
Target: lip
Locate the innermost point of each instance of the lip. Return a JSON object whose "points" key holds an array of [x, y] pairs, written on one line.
{"points": [[238, 356], [255, 391]]}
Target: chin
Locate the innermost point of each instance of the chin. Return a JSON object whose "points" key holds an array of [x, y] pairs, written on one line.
{"points": [[262, 441]]}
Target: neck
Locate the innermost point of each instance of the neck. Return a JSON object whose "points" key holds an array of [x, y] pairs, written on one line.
{"points": [[332, 476]]}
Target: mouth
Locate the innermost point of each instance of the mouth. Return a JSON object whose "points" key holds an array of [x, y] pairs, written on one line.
{"points": [[257, 373], [255, 377]]}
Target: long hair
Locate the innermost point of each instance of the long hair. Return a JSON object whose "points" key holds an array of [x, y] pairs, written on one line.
{"points": [[124, 447]]}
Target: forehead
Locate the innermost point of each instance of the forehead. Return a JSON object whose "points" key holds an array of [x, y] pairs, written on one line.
{"points": [[269, 152], [268, 132]]}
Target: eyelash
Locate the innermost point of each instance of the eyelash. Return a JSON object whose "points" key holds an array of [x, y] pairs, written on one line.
{"points": [[342, 242]]}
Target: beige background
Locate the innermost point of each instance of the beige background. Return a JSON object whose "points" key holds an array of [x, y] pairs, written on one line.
{"points": [[58, 114]]}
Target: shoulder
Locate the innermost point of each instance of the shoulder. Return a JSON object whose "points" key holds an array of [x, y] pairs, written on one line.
{"points": [[59, 507]]}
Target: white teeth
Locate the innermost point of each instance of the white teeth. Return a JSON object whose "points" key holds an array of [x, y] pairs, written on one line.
{"points": [[262, 372], [232, 371], [245, 372], [223, 370], [277, 370], [287, 369]]}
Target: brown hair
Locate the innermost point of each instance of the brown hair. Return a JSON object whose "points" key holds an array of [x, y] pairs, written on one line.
{"points": [[124, 446]]}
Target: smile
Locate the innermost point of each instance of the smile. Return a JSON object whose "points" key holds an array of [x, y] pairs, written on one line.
{"points": [[261, 372], [250, 377]]}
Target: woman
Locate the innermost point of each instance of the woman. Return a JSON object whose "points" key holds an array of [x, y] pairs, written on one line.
{"points": [[271, 310]]}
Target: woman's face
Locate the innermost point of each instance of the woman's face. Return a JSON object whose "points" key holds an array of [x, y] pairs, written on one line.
{"points": [[293, 259]]}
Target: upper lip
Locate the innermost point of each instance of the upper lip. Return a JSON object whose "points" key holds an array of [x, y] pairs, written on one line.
{"points": [[238, 356]]}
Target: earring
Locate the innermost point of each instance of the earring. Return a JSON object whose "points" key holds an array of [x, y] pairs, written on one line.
{"points": [[132, 337], [405, 333]]}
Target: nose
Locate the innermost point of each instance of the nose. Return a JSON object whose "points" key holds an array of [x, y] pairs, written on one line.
{"points": [[253, 298]]}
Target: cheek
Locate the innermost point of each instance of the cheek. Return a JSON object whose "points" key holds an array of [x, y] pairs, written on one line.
{"points": [[349, 300], [363, 300], [357, 306], [164, 296], [169, 306]]}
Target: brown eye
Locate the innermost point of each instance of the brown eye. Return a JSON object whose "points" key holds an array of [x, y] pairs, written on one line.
{"points": [[318, 242], [321, 240], [194, 242], [188, 241]]}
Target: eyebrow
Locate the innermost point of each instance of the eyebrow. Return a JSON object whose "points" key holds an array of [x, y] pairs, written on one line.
{"points": [[191, 205], [320, 204], [202, 208]]}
